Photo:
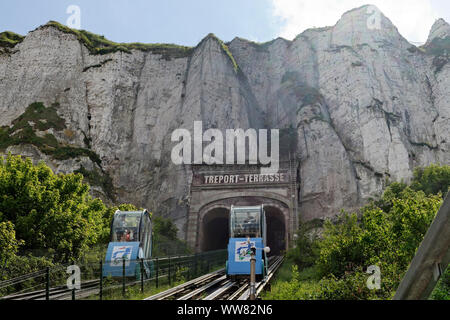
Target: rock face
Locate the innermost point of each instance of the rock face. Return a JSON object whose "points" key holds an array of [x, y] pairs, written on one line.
{"points": [[367, 106]]}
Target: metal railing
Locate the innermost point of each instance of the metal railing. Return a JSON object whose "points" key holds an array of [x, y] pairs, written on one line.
{"points": [[151, 274]]}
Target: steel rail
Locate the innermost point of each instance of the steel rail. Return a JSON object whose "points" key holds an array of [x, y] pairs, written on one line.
{"points": [[182, 287], [220, 291], [198, 291]]}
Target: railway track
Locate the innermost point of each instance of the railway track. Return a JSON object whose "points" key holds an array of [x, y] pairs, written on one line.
{"points": [[58, 293], [212, 286], [192, 285], [216, 286]]}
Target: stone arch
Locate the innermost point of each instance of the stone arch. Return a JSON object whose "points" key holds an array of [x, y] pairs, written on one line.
{"points": [[222, 195], [213, 219]]}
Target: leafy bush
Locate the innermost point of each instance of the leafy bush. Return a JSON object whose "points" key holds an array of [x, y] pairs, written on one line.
{"points": [[432, 179], [8, 243], [385, 233], [49, 211], [21, 265], [442, 290], [387, 239]]}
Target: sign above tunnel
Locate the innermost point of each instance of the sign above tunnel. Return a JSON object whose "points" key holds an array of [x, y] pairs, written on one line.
{"points": [[240, 179]]}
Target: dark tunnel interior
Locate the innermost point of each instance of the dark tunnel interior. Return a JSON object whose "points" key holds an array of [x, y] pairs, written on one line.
{"points": [[216, 230], [276, 232]]}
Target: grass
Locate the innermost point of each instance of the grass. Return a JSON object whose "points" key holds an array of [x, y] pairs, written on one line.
{"points": [[133, 292], [10, 39], [39, 118], [43, 118], [281, 286], [285, 271], [98, 44]]}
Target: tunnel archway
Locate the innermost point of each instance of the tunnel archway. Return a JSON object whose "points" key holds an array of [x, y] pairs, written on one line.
{"points": [[216, 230]]}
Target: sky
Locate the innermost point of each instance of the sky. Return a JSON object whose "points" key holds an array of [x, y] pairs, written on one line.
{"points": [[186, 22]]}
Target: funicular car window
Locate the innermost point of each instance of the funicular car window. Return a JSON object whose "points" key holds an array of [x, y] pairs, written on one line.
{"points": [[126, 227], [246, 223]]}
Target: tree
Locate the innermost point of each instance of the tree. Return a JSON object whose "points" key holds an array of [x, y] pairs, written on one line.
{"points": [[8, 243], [432, 179], [51, 213]]}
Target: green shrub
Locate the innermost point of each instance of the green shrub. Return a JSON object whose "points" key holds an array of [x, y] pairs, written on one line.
{"points": [[432, 179], [9, 245], [22, 265], [39, 118], [10, 39], [442, 289]]}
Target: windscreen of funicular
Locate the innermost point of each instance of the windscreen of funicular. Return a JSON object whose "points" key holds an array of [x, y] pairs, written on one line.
{"points": [[246, 223], [125, 227]]}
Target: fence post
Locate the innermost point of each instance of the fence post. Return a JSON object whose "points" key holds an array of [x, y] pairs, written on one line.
{"points": [[123, 277], [157, 272], [168, 276], [142, 275], [101, 280], [195, 265], [188, 268], [47, 283], [175, 270]]}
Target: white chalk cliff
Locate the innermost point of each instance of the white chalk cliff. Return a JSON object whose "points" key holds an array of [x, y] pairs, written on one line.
{"points": [[366, 107]]}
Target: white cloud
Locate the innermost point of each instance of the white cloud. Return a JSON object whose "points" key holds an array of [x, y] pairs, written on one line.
{"points": [[412, 18]]}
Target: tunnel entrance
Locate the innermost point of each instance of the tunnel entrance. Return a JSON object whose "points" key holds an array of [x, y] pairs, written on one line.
{"points": [[276, 230], [216, 230]]}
